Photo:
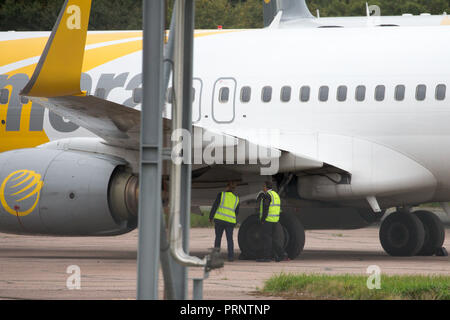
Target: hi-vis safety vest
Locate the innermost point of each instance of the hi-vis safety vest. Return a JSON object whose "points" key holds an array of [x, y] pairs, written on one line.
{"points": [[274, 208], [227, 208]]}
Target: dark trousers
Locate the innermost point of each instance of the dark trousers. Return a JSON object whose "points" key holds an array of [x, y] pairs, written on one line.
{"points": [[271, 248], [220, 227]]}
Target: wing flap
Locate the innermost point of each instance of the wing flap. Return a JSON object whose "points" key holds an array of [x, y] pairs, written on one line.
{"points": [[117, 124]]}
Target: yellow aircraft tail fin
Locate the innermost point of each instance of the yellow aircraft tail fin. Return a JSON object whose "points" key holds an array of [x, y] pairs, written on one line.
{"points": [[58, 72]]}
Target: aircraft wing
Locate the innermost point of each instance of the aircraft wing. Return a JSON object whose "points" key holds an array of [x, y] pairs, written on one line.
{"points": [[117, 124]]}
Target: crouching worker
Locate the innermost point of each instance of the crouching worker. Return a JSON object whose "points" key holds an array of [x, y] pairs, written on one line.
{"points": [[224, 213], [269, 214]]}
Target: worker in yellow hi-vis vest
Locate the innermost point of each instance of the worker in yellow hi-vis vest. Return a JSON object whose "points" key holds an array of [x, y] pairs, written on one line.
{"points": [[269, 214], [224, 213]]}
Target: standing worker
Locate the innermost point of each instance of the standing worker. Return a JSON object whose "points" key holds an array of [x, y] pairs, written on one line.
{"points": [[224, 212], [269, 214]]}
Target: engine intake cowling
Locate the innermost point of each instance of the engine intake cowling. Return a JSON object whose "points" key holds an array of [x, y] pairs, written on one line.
{"points": [[57, 192]]}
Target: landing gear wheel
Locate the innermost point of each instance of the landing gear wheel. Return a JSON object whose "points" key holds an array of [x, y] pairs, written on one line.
{"points": [[250, 238], [295, 234], [402, 234], [289, 234], [434, 233]]}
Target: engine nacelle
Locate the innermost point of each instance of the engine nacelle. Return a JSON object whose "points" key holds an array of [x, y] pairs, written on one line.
{"points": [[57, 192]]}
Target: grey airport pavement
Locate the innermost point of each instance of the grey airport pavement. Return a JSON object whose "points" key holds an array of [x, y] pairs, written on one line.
{"points": [[36, 267]]}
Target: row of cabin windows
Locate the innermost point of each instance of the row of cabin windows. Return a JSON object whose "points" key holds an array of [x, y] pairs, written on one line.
{"points": [[324, 92], [286, 93], [341, 95]]}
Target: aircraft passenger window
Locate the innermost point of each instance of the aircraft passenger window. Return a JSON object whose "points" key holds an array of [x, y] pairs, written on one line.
{"points": [[360, 94], [286, 94], [100, 93], [267, 94], [342, 93], [440, 92], [400, 92], [323, 93], [137, 95], [380, 92], [246, 93], [421, 92], [305, 92], [224, 95], [4, 96]]}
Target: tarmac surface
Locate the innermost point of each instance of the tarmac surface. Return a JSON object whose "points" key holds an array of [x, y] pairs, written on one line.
{"points": [[36, 267]]}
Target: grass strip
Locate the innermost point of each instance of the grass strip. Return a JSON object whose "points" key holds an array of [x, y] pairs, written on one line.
{"points": [[354, 287]]}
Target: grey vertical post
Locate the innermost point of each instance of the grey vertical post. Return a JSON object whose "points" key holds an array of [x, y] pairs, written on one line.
{"points": [[186, 68], [151, 145]]}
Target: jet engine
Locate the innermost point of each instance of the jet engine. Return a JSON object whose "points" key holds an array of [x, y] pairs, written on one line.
{"points": [[66, 193]]}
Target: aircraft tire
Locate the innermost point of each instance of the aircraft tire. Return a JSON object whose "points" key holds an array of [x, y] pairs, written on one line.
{"points": [[295, 234], [402, 234], [250, 238], [434, 233], [290, 234]]}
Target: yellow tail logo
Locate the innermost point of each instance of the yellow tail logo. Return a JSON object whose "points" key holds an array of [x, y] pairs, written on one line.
{"points": [[18, 187]]}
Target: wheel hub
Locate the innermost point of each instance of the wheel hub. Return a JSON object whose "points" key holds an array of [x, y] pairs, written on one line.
{"points": [[399, 235]]}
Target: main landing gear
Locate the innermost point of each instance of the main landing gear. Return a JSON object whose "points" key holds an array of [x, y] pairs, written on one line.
{"points": [[290, 235], [419, 233]]}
